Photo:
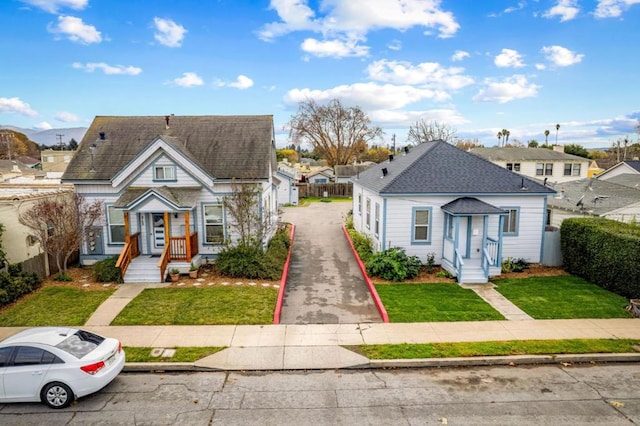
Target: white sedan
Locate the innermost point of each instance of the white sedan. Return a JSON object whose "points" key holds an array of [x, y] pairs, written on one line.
{"points": [[56, 365]]}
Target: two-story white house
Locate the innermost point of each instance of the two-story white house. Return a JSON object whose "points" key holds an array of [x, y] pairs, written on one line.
{"points": [[163, 181], [540, 163]]}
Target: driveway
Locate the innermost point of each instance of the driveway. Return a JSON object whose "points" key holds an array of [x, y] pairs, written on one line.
{"points": [[325, 285]]}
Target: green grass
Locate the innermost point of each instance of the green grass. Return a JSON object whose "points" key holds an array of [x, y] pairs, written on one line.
{"points": [[434, 302], [185, 354], [562, 297], [306, 200], [197, 306], [54, 306], [511, 347]]}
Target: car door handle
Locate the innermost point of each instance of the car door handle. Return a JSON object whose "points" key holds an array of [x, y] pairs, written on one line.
{"points": [[36, 373]]}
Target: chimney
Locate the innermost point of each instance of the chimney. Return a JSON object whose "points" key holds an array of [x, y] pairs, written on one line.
{"points": [[558, 148], [166, 120]]}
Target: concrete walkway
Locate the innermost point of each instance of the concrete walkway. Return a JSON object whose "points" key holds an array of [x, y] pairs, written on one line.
{"points": [[500, 303], [111, 307]]}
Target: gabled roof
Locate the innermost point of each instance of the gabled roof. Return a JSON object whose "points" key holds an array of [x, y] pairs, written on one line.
{"points": [[632, 180], [325, 171], [598, 196], [223, 146], [525, 154], [631, 166], [470, 205], [441, 168], [178, 197]]}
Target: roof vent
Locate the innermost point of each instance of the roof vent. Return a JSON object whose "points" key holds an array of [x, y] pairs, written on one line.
{"points": [[390, 157], [384, 172], [166, 120], [103, 136], [522, 187]]}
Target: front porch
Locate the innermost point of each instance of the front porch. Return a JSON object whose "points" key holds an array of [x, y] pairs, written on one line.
{"points": [[152, 251]]}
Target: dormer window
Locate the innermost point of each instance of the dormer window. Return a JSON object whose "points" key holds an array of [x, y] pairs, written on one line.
{"points": [[164, 173]]}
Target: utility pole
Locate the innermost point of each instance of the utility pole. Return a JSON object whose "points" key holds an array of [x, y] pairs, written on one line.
{"points": [[59, 136], [393, 138]]}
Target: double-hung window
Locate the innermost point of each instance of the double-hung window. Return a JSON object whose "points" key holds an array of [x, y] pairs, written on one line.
{"points": [[377, 219], [421, 225], [360, 204], [510, 225], [164, 173], [515, 167], [572, 169], [115, 219], [368, 213], [214, 223], [544, 169]]}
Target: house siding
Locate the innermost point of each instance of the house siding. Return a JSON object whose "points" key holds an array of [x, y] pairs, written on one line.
{"points": [[145, 177]]}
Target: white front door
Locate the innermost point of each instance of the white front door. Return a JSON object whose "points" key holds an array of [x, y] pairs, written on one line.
{"points": [[157, 234]]}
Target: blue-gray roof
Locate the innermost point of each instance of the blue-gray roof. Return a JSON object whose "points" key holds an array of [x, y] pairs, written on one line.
{"points": [[470, 205], [441, 168]]}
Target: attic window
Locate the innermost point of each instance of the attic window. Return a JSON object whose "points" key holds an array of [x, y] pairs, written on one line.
{"points": [[164, 173]]}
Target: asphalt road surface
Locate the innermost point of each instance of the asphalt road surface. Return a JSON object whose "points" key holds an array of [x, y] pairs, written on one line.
{"points": [[324, 285], [543, 395]]}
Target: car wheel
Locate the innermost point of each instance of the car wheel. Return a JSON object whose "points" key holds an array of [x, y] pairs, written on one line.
{"points": [[57, 395]]}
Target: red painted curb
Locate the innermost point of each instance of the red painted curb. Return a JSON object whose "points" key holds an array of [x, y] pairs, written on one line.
{"points": [[372, 288], [283, 280]]}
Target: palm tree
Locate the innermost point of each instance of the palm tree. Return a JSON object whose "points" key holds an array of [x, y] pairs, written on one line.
{"points": [[557, 128], [506, 134], [546, 136], [499, 137]]}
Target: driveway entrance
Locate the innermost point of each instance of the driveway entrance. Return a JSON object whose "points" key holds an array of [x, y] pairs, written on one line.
{"points": [[325, 285]]}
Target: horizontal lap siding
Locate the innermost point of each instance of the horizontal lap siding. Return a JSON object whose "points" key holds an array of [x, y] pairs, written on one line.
{"points": [[145, 177]]}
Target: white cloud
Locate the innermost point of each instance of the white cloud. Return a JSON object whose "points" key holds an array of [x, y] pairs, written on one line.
{"points": [[565, 9], [394, 45], [429, 74], [613, 8], [507, 90], [76, 30], [242, 82], [52, 6], [509, 58], [43, 125], [16, 105], [188, 79], [561, 56], [108, 69], [405, 118], [459, 55], [334, 48], [520, 6], [168, 33], [369, 96], [358, 17], [67, 117], [541, 67]]}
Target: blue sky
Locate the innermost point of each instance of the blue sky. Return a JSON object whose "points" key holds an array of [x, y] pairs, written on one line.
{"points": [[478, 66]]}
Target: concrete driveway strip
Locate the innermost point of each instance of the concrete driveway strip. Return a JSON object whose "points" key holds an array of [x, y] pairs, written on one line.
{"points": [[324, 285]]}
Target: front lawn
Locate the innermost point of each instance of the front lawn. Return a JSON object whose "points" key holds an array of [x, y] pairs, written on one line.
{"points": [[434, 302], [183, 354], [199, 306], [562, 297], [51, 306]]}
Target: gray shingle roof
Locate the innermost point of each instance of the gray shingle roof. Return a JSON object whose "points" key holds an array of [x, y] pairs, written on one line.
{"points": [[470, 205], [225, 147], [525, 154], [603, 196], [635, 164], [626, 179], [181, 197], [441, 168]]}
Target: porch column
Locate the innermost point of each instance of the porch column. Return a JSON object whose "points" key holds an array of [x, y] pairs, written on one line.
{"points": [[500, 231], [167, 237], [188, 236], [127, 237]]}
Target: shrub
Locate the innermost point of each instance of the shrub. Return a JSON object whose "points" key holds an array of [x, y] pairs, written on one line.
{"points": [[15, 283], [362, 243], [431, 261], [393, 265], [63, 277], [105, 271], [514, 265], [444, 274]]}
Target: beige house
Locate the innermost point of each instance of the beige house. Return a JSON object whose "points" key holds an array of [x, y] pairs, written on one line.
{"points": [[540, 163], [17, 240], [54, 163]]}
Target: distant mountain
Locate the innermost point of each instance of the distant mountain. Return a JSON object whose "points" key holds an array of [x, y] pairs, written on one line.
{"points": [[48, 137]]}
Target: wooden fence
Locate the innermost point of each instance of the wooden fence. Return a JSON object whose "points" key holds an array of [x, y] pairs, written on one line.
{"points": [[321, 190]]}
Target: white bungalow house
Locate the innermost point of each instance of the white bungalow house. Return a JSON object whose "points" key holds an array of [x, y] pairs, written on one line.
{"points": [[163, 181], [467, 211]]}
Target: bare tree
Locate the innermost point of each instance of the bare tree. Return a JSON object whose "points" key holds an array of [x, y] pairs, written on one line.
{"points": [[338, 133], [243, 206], [59, 224], [427, 131]]}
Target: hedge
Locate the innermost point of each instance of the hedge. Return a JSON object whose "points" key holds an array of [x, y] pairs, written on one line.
{"points": [[603, 251], [15, 283]]}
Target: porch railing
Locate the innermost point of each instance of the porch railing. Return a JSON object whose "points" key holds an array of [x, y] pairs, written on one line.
{"points": [[490, 255], [458, 264], [163, 262], [178, 247], [129, 252]]}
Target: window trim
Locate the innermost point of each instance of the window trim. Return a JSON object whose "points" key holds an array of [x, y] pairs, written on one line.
{"points": [[376, 220], [368, 213], [543, 170], [205, 224], [429, 226], [574, 169], [164, 167], [110, 224], [509, 209]]}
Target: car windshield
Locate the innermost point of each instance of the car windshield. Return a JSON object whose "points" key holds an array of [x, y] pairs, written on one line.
{"points": [[80, 343]]}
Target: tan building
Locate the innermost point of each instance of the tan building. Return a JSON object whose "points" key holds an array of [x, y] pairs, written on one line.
{"points": [[54, 163], [17, 240]]}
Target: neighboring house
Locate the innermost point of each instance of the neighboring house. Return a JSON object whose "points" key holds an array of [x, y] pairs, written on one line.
{"points": [[32, 163], [10, 169], [630, 167], [593, 197], [344, 173], [54, 163], [163, 181], [290, 169], [594, 169], [287, 189], [632, 180], [17, 240], [465, 210], [320, 175], [540, 163]]}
